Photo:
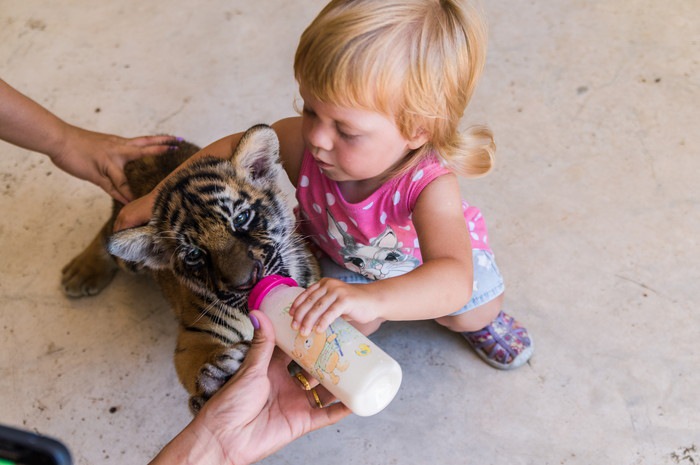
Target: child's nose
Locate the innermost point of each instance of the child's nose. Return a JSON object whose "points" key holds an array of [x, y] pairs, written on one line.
{"points": [[320, 137]]}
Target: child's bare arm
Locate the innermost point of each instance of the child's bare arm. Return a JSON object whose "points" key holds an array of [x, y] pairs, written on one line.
{"points": [[291, 145], [442, 285]]}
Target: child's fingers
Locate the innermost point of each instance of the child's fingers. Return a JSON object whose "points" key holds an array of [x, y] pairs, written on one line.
{"points": [[318, 306], [328, 318], [307, 300], [311, 314], [302, 298], [304, 303], [320, 315], [308, 322]]}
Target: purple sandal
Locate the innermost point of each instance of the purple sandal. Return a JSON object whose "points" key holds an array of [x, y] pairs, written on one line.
{"points": [[500, 344]]}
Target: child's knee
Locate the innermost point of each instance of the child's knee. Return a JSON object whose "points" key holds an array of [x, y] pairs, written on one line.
{"points": [[475, 319], [367, 328]]}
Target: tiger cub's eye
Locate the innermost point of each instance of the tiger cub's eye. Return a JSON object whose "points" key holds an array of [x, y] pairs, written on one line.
{"points": [[194, 257], [242, 219]]}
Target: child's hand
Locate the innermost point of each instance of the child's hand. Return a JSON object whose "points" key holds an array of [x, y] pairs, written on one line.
{"points": [[324, 301]]}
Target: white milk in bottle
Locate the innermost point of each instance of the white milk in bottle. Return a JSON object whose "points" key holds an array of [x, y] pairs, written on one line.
{"points": [[360, 374]]}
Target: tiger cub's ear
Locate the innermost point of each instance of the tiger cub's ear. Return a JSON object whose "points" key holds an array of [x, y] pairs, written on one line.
{"points": [[257, 155], [138, 245]]}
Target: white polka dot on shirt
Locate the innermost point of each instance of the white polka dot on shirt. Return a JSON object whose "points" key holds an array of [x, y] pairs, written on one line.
{"points": [[304, 182], [417, 176], [397, 197], [330, 199]]}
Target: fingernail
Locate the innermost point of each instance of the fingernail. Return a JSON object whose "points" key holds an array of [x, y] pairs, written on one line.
{"points": [[254, 321], [172, 148]]}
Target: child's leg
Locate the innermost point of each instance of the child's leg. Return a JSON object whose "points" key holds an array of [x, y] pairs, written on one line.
{"points": [[367, 328], [475, 319], [495, 336], [487, 296]]}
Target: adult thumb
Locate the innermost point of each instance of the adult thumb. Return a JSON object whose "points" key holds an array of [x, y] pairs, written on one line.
{"points": [[263, 343]]}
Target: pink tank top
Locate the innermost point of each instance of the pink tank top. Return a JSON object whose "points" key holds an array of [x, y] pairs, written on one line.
{"points": [[374, 237]]}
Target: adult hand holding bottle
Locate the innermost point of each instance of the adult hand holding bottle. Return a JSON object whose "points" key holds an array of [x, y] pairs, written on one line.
{"points": [[259, 411]]}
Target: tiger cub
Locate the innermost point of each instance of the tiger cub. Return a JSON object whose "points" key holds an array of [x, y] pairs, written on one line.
{"points": [[218, 226]]}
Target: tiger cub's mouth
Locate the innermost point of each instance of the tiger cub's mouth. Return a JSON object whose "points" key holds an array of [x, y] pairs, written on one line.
{"points": [[256, 274]]}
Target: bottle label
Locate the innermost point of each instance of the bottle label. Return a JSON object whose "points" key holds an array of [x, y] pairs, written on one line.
{"points": [[324, 355]]}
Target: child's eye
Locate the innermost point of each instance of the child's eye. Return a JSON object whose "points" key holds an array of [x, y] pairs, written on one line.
{"points": [[347, 136]]}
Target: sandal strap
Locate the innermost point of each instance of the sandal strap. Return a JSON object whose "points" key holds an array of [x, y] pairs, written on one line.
{"points": [[499, 334]]}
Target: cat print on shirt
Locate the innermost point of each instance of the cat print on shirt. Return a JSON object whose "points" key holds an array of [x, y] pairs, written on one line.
{"points": [[381, 258]]}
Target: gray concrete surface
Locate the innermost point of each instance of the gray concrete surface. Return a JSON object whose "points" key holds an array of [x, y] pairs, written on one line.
{"points": [[593, 214]]}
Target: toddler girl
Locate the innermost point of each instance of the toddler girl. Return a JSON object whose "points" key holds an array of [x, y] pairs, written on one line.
{"points": [[385, 84], [374, 159]]}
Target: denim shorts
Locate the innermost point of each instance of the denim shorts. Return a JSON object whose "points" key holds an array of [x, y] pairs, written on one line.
{"points": [[488, 282]]}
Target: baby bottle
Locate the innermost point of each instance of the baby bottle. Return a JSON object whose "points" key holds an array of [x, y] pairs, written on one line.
{"points": [[360, 374]]}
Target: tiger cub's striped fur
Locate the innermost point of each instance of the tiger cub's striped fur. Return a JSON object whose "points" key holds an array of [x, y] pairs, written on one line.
{"points": [[218, 226]]}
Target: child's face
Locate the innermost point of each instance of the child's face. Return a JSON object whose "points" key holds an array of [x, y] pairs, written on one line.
{"points": [[351, 144]]}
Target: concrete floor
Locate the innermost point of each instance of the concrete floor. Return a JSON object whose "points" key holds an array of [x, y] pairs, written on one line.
{"points": [[592, 213]]}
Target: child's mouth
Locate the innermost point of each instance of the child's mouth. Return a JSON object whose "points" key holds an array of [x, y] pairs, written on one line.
{"points": [[322, 164]]}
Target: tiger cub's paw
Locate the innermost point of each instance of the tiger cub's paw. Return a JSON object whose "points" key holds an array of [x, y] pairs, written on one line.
{"points": [[87, 274], [221, 366]]}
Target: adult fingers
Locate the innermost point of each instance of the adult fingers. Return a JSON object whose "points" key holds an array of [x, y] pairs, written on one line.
{"points": [[305, 380], [323, 417], [147, 146], [145, 141], [263, 344], [116, 194], [118, 186]]}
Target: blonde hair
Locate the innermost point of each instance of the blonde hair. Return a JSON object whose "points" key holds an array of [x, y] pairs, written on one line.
{"points": [[417, 61]]}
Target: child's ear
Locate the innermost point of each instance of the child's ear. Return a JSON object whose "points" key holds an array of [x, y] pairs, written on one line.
{"points": [[419, 139]]}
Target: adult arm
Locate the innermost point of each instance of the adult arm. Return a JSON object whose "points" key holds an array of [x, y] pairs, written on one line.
{"points": [[92, 156]]}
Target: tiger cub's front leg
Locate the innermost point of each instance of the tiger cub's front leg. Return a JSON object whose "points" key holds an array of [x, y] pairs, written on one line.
{"points": [[204, 364]]}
